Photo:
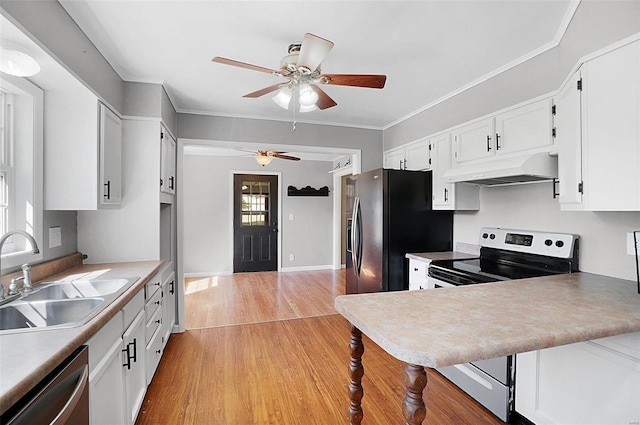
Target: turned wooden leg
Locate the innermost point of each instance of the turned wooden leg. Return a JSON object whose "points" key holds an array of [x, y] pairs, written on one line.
{"points": [[413, 407], [356, 372]]}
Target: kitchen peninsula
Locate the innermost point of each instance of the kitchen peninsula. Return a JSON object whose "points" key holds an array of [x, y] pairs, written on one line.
{"points": [[427, 328]]}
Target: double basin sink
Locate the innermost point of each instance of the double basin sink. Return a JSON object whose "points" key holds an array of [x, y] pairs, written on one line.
{"points": [[61, 304]]}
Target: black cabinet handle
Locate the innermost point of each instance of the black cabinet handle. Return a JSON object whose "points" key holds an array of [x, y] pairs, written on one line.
{"points": [[498, 147], [488, 143], [108, 189], [171, 182], [172, 287], [446, 195]]}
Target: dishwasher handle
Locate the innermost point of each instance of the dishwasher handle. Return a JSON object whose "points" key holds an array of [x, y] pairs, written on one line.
{"points": [[73, 401]]}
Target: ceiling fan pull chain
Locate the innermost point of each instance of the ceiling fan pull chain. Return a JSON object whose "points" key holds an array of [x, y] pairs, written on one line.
{"points": [[294, 108]]}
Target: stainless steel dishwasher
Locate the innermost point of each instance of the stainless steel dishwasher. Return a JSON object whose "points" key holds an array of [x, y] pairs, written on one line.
{"points": [[62, 398]]}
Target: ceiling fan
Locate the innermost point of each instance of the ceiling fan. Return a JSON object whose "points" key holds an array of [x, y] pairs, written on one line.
{"points": [[301, 69], [265, 157]]}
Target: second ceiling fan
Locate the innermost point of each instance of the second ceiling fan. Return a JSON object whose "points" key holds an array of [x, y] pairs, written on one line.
{"points": [[301, 69]]}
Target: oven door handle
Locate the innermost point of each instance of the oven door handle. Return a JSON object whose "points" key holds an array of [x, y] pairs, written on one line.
{"points": [[73, 401]]}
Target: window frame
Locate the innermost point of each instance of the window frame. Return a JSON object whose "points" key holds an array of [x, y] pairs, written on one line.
{"points": [[25, 97]]}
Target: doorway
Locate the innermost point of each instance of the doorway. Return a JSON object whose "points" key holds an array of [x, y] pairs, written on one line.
{"points": [[255, 223]]}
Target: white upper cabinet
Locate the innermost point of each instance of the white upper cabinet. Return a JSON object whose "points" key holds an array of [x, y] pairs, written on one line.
{"points": [[598, 131], [567, 123], [110, 141], [449, 196], [520, 129], [83, 153], [473, 141], [413, 156], [524, 128], [167, 164]]}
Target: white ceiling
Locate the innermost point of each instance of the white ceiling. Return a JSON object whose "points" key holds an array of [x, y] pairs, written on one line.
{"points": [[429, 50]]}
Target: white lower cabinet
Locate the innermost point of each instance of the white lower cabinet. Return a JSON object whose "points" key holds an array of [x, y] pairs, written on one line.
{"points": [[418, 274], [588, 383], [106, 379], [134, 368], [117, 373]]}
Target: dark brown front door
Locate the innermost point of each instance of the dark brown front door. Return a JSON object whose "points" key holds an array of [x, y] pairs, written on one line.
{"points": [[255, 223]]}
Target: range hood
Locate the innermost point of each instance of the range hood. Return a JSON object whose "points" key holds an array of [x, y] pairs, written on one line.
{"points": [[524, 169]]}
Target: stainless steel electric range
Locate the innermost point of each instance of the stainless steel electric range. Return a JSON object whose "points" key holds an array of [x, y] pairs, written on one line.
{"points": [[505, 254]]}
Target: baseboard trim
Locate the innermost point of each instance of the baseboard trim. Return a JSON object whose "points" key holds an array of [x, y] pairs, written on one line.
{"points": [[306, 268], [208, 274]]}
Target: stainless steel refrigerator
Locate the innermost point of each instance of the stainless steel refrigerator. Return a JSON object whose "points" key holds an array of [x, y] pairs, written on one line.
{"points": [[390, 216]]}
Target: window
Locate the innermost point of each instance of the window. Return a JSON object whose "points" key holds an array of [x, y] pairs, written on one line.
{"points": [[6, 170], [21, 135], [255, 203]]}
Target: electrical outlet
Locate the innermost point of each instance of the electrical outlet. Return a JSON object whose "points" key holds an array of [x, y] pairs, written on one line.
{"points": [[630, 248], [292, 257], [55, 236]]}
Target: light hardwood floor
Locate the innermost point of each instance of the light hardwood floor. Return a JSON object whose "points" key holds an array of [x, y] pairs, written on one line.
{"points": [[281, 358]]}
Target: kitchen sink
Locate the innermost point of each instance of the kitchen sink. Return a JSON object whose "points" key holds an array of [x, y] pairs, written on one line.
{"points": [[47, 313], [61, 304], [78, 289]]}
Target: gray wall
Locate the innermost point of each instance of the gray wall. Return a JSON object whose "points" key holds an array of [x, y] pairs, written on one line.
{"points": [[151, 101], [263, 131], [595, 25], [532, 207], [206, 187]]}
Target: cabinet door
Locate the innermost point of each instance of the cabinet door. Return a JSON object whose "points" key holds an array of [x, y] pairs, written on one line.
{"points": [[106, 388], [168, 163], [586, 383], [611, 124], [168, 306], [133, 350], [524, 128], [394, 160], [417, 156], [569, 140], [441, 162], [110, 158], [474, 141]]}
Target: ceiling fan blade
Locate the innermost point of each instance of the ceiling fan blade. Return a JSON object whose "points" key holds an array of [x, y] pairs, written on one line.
{"points": [[263, 91], [357, 80], [232, 62], [312, 52], [324, 101], [289, 157]]}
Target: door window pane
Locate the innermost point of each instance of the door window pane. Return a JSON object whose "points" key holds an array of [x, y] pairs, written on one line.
{"points": [[255, 203]]}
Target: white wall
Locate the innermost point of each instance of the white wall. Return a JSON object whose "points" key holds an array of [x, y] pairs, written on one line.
{"points": [[207, 182], [532, 207]]}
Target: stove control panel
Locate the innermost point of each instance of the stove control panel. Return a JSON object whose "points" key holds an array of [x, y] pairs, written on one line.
{"points": [[532, 242]]}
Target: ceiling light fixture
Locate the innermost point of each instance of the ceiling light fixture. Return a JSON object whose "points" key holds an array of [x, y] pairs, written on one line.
{"points": [[283, 98], [263, 159], [15, 62]]}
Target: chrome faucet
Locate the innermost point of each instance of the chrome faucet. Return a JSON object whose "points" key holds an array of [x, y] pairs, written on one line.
{"points": [[26, 269]]}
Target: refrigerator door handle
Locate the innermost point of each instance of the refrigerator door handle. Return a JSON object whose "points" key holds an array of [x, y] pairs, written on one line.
{"points": [[355, 236], [359, 235]]}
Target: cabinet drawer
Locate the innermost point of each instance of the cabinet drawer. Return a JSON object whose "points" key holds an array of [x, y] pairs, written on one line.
{"points": [[154, 354], [152, 286], [153, 324], [153, 304], [132, 308]]}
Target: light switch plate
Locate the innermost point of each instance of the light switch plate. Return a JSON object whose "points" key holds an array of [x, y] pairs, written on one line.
{"points": [[55, 236]]}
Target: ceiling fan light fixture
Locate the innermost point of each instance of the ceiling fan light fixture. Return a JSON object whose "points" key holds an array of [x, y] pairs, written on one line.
{"points": [[283, 98], [309, 108], [308, 96], [263, 159], [15, 62]]}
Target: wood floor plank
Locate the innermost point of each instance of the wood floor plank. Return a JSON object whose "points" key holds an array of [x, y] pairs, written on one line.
{"points": [[278, 354]]}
